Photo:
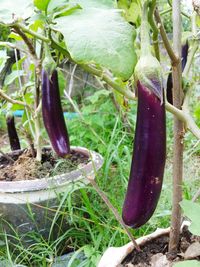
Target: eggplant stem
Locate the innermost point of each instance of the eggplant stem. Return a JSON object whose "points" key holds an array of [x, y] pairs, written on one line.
{"points": [[114, 211], [154, 29]]}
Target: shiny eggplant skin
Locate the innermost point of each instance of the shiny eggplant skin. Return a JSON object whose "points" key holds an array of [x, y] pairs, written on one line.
{"points": [[12, 133], [184, 53], [53, 114], [148, 162]]}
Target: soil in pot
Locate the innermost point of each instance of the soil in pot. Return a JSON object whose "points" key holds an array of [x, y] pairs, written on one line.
{"points": [[25, 167], [155, 252]]}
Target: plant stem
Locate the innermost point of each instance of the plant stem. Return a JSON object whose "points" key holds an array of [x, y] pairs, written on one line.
{"points": [[154, 29], [114, 211], [13, 46], [144, 32], [29, 31], [97, 72], [178, 131], [13, 101], [20, 29], [166, 42]]}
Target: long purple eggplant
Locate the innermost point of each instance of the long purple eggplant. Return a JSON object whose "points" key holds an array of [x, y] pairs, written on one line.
{"points": [[184, 53], [53, 114], [149, 153], [12, 133]]}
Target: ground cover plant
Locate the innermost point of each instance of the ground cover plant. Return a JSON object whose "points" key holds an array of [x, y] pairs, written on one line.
{"points": [[104, 41]]}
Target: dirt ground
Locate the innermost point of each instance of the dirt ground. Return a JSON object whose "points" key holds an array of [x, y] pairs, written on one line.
{"points": [[20, 165]]}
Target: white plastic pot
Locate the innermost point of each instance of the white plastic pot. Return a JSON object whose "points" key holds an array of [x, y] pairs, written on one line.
{"points": [[30, 205]]}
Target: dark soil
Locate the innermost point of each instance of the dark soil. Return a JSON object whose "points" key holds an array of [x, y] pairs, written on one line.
{"points": [[156, 250], [25, 167]]}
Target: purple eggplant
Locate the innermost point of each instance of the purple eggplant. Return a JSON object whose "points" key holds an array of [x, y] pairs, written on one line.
{"points": [[184, 53], [12, 133], [53, 114], [149, 153]]}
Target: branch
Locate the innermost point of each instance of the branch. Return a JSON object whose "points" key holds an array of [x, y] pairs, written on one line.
{"points": [[29, 31], [187, 119], [10, 100], [30, 47], [178, 131], [7, 157], [114, 211], [97, 72], [11, 45], [175, 60], [126, 92]]}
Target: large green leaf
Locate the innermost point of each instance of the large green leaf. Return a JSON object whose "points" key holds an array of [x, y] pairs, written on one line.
{"points": [[192, 211], [10, 10], [192, 263], [99, 34]]}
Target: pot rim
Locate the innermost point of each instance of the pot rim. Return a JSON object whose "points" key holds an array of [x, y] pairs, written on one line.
{"points": [[95, 162]]}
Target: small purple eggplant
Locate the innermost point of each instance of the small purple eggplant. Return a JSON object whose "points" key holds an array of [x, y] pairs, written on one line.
{"points": [[53, 114], [12, 133], [184, 53], [149, 153]]}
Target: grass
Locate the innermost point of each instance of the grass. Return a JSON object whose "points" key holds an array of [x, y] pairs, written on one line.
{"points": [[92, 227]]}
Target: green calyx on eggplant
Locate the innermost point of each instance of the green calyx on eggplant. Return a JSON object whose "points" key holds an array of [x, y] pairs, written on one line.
{"points": [[148, 71], [12, 133], [149, 153], [53, 114]]}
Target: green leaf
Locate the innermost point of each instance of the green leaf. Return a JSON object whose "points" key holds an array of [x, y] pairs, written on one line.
{"points": [[37, 21], [192, 211], [192, 263], [14, 75], [100, 36], [41, 4], [20, 8]]}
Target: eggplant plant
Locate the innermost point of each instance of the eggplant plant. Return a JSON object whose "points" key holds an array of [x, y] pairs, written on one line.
{"points": [[73, 31]]}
